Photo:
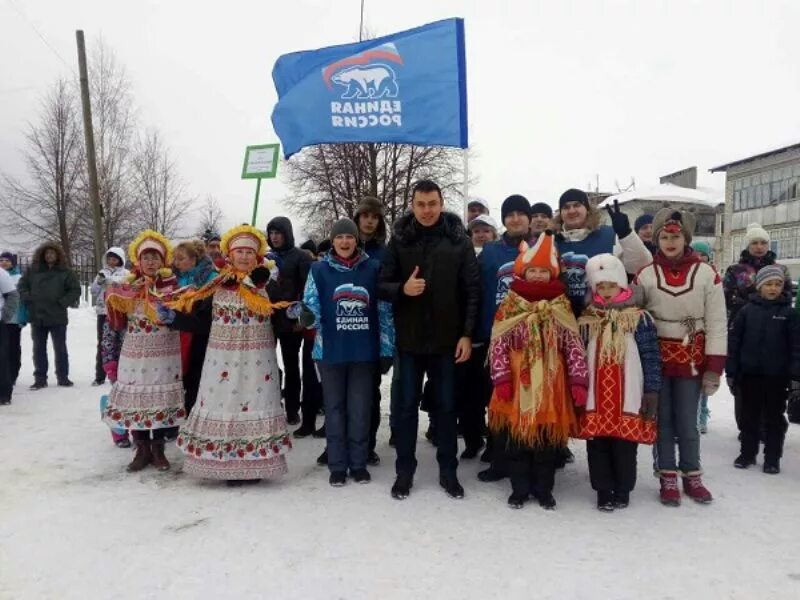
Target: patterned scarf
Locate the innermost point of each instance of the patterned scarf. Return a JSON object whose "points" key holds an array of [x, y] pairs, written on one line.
{"points": [[255, 297], [611, 324], [151, 291], [536, 415]]}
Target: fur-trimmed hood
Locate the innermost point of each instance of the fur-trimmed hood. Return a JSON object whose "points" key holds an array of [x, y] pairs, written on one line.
{"points": [[38, 263], [373, 206], [593, 223], [407, 230]]}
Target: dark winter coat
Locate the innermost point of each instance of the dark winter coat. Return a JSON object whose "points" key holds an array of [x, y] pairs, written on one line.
{"points": [[765, 339], [48, 291], [448, 309], [293, 266], [375, 249], [740, 281]]}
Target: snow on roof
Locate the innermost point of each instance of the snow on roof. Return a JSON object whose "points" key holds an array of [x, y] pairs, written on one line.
{"points": [[668, 192]]}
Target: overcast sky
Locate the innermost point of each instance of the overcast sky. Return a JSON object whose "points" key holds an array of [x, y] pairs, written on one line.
{"points": [[559, 92]]}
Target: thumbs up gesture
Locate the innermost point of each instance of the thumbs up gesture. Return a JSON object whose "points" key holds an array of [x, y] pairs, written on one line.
{"points": [[415, 285]]}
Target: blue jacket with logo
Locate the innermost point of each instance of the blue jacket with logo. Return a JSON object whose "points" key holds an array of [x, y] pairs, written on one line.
{"points": [[496, 268], [575, 254], [352, 324]]}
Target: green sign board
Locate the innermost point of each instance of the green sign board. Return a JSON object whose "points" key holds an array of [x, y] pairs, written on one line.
{"points": [[261, 162]]}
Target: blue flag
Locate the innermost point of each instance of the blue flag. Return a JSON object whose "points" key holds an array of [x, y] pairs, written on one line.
{"points": [[408, 87]]}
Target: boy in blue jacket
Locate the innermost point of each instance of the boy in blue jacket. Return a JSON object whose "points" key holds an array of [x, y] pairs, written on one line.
{"points": [[763, 357], [355, 337]]}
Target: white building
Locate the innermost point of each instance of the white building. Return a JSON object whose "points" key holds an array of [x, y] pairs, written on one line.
{"points": [[764, 189]]}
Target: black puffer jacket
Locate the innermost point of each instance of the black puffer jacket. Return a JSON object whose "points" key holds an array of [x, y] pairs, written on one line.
{"points": [[448, 309], [293, 266], [765, 339]]}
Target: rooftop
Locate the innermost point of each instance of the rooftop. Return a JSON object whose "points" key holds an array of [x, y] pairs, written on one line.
{"points": [[735, 163], [668, 192]]}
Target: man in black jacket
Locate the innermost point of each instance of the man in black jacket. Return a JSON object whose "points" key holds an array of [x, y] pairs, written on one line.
{"points": [[293, 266], [430, 273], [47, 289]]}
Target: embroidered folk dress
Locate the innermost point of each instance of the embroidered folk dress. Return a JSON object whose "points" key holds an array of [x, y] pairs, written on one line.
{"points": [[148, 393], [237, 429], [624, 362]]}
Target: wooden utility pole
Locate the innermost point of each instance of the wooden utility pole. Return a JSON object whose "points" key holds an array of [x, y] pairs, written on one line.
{"points": [[88, 132]]}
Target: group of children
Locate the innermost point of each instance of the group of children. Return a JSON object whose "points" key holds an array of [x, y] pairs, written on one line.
{"points": [[631, 369]]}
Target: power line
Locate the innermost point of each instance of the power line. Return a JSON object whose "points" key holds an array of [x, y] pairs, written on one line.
{"points": [[40, 36]]}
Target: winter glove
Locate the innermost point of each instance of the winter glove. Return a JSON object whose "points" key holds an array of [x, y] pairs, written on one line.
{"points": [[386, 364], [260, 276], [111, 370], [503, 391], [299, 312], [649, 408], [619, 221], [710, 383], [101, 278], [165, 315], [579, 395]]}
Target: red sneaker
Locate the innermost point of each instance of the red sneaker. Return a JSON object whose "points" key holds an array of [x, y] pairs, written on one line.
{"points": [[694, 488], [670, 494]]}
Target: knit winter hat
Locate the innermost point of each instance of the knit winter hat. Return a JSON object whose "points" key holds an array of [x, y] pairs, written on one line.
{"points": [[344, 226], [542, 254], [755, 233], [541, 208], [702, 248], [481, 201], [515, 203], [573, 195], [606, 268], [769, 273], [10, 257], [641, 222], [674, 221]]}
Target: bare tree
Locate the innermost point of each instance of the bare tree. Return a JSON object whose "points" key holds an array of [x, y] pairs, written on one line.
{"points": [[114, 121], [157, 190], [211, 216], [48, 206], [328, 180]]}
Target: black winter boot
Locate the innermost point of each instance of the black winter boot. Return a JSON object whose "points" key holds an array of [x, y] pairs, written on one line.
{"points": [[450, 484], [142, 458], [402, 486]]}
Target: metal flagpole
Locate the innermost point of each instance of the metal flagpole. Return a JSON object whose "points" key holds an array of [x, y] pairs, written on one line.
{"points": [[465, 193]]}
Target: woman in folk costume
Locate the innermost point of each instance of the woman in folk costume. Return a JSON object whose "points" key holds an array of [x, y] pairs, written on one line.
{"points": [[685, 298], [237, 429], [147, 393], [624, 381], [538, 367]]}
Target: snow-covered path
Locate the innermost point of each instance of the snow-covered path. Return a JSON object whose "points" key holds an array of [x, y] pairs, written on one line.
{"points": [[73, 524]]}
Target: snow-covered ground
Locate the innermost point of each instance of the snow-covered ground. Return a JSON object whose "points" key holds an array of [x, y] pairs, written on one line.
{"points": [[74, 524]]}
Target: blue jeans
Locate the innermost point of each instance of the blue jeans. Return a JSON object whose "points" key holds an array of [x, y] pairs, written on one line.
{"points": [[39, 335], [677, 418], [405, 409], [703, 412], [347, 394]]}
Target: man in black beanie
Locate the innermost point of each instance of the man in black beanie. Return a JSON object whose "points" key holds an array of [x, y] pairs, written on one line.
{"points": [[496, 265]]}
